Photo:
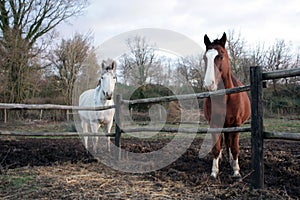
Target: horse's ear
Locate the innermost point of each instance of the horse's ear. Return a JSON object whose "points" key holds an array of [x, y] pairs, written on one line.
{"points": [[103, 65], [207, 41], [223, 40], [114, 65]]}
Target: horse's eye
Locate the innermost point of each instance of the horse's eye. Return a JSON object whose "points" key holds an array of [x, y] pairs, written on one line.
{"points": [[220, 57]]}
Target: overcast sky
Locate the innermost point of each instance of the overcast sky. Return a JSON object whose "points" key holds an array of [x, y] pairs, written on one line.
{"points": [[256, 20]]}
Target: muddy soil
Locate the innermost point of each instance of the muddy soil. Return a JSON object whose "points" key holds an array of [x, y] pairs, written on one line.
{"points": [[61, 168]]}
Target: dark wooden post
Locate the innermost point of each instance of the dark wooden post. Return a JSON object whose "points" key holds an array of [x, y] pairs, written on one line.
{"points": [[118, 126], [257, 142], [5, 116]]}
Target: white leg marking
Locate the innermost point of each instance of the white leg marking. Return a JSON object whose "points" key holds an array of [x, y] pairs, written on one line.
{"points": [[236, 168], [235, 165], [215, 166]]}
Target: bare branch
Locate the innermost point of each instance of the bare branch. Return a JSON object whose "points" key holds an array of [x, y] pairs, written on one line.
{"points": [[22, 23]]}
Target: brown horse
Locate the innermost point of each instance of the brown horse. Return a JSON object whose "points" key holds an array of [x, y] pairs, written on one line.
{"points": [[230, 110]]}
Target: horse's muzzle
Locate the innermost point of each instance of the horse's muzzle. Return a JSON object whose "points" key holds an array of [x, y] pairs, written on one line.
{"points": [[210, 87], [108, 98], [107, 95]]}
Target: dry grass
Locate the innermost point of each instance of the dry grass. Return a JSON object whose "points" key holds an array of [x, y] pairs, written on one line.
{"points": [[96, 181], [53, 169]]}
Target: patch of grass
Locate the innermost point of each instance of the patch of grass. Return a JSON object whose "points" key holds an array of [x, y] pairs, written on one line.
{"points": [[282, 125], [270, 124], [38, 126], [170, 135], [17, 182]]}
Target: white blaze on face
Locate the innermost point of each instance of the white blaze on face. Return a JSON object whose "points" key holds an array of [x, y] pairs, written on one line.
{"points": [[209, 79]]}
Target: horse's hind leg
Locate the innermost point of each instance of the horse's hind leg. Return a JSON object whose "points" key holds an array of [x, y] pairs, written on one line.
{"points": [[227, 144], [234, 151], [217, 153]]}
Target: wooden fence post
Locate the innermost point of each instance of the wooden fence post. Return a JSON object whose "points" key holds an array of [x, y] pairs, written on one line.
{"points": [[118, 126], [5, 116], [257, 143]]}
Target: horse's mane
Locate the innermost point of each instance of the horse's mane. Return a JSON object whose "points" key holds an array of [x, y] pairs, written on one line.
{"points": [[217, 42], [235, 80]]}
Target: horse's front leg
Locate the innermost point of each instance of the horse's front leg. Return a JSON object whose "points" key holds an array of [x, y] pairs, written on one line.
{"points": [[85, 131], [217, 140], [234, 150], [94, 129], [108, 129]]}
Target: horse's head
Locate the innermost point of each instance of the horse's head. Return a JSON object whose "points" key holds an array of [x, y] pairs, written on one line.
{"points": [[107, 79], [216, 62]]}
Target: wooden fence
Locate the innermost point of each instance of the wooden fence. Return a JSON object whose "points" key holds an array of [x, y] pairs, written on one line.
{"points": [[257, 123], [257, 128]]}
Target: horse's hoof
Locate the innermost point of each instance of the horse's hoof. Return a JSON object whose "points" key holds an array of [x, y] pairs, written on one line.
{"points": [[213, 175], [236, 176], [215, 179]]}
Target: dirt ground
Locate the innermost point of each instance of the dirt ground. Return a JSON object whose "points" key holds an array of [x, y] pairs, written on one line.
{"points": [[43, 168]]}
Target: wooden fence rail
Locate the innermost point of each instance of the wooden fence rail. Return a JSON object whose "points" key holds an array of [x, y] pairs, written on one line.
{"points": [[285, 73], [187, 96], [189, 130], [12, 106], [281, 135]]}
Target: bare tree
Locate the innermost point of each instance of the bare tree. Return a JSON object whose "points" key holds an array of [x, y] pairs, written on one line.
{"points": [[258, 55], [68, 59], [124, 69], [22, 24], [295, 81], [192, 70], [137, 65], [278, 57], [164, 73], [236, 46]]}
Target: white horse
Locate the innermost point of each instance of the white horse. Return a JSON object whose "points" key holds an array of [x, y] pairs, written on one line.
{"points": [[102, 95]]}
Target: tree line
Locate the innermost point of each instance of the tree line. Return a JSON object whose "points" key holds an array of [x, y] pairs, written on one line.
{"points": [[27, 29], [144, 63], [36, 68]]}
